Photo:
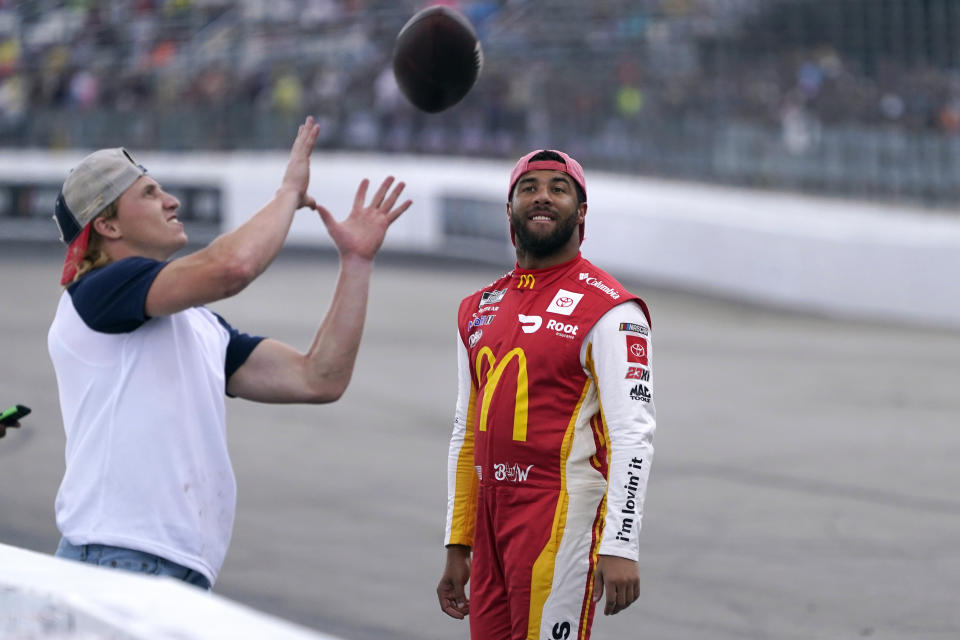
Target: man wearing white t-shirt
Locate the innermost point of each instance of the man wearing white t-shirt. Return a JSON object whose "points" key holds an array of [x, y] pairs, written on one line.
{"points": [[143, 367]]}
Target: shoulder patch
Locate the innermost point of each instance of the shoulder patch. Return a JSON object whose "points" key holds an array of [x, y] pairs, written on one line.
{"points": [[634, 328], [491, 297], [614, 291]]}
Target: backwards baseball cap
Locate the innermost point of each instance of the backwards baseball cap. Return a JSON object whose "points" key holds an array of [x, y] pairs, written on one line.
{"points": [[568, 166], [94, 184]]}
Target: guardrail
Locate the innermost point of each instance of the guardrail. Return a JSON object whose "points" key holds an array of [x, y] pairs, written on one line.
{"points": [[840, 257]]}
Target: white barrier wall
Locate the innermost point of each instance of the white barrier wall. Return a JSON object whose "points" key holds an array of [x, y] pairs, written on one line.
{"points": [[847, 258], [45, 597]]}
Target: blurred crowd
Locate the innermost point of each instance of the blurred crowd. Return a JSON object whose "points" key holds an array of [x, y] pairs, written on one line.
{"points": [[608, 78]]}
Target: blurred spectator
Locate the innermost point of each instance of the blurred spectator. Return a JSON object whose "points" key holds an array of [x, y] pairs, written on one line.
{"points": [[607, 79], [12, 99], [287, 96]]}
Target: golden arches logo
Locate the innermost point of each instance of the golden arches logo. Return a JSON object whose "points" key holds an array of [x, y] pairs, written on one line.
{"points": [[527, 280], [494, 372]]}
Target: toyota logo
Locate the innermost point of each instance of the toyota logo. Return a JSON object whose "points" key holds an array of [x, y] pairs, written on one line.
{"points": [[564, 302], [638, 350]]}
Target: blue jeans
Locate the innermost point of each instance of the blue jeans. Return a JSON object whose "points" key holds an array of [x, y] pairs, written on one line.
{"points": [[130, 560]]}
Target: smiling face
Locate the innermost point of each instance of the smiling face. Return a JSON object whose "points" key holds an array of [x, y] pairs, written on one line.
{"points": [[545, 216], [146, 223]]}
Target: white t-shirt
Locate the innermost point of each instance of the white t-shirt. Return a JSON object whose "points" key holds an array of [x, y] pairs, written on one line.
{"points": [[142, 399]]}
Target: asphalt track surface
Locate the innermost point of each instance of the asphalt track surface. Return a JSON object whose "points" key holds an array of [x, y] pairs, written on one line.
{"points": [[805, 484]]}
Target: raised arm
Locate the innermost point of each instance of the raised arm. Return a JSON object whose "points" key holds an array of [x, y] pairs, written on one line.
{"points": [[275, 372], [232, 261]]}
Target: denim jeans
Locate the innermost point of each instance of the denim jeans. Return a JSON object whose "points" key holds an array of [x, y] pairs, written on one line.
{"points": [[130, 560]]}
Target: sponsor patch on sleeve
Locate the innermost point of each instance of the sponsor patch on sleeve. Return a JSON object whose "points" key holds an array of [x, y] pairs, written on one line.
{"points": [[637, 350], [640, 392], [638, 373], [635, 328]]}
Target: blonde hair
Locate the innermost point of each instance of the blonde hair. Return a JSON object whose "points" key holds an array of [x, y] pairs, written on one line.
{"points": [[95, 257]]}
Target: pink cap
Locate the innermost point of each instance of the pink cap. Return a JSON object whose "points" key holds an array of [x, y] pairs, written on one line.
{"points": [[569, 166]]}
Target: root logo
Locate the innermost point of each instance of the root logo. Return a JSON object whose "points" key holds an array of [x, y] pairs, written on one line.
{"points": [[562, 330]]}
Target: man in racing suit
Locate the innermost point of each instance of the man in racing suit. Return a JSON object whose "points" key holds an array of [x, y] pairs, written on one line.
{"points": [[552, 437]]}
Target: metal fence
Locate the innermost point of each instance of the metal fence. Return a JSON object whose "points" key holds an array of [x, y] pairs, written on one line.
{"points": [[846, 97]]}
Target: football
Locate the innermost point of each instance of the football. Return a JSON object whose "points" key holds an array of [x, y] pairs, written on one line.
{"points": [[437, 58]]}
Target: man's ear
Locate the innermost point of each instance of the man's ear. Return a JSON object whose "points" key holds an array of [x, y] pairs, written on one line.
{"points": [[581, 211], [107, 227]]}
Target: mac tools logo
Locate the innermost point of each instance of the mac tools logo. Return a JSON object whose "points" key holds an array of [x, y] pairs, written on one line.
{"points": [[599, 284], [640, 392], [564, 302]]}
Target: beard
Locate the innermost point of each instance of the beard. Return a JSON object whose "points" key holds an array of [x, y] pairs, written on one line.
{"points": [[541, 245]]}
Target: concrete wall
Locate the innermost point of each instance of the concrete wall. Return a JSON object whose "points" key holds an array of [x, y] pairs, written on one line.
{"points": [[45, 597], [845, 258]]}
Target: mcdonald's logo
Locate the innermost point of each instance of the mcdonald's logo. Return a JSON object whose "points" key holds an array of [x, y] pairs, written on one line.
{"points": [[494, 372], [526, 281]]}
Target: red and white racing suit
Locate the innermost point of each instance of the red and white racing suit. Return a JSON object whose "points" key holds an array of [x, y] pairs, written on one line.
{"points": [[551, 445]]}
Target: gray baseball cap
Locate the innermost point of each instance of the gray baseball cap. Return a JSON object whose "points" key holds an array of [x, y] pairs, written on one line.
{"points": [[97, 181]]}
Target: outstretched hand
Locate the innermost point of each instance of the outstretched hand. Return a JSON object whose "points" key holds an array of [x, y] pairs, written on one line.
{"points": [[297, 175], [361, 234]]}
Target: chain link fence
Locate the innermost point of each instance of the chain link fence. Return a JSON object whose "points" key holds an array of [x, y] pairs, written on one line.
{"points": [[855, 98]]}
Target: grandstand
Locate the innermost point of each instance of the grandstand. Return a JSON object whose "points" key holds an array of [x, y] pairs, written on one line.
{"points": [[856, 98], [769, 156]]}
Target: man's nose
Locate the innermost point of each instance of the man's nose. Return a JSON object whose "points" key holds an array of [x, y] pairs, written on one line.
{"points": [[542, 194]]}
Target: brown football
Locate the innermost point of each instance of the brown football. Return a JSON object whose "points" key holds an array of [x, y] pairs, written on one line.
{"points": [[437, 59]]}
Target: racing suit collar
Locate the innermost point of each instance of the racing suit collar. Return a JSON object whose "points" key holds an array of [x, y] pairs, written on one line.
{"points": [[537, 278]]}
